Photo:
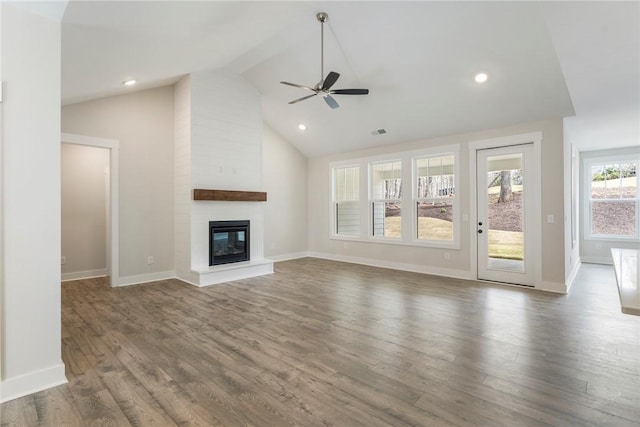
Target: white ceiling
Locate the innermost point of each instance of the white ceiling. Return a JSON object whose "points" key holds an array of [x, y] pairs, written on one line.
{"points": [[418, 60]]}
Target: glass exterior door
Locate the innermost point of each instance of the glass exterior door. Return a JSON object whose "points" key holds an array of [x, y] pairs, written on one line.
{"points": [[504, 238]]}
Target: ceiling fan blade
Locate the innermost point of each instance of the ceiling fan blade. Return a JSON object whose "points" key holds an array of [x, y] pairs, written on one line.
{"points": [[300, 86], [303, 98], [350, 92], [330, 101], [332, 77]]}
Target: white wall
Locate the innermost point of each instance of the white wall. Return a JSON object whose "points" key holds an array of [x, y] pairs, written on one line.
{"points": [[285, 213], [571, 208], [31, 333], [143, 124], [84, 195], [431, 260], [182, 170], [599, 251]]}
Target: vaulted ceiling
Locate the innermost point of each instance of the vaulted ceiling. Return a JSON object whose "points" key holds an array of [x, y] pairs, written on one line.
{"points": [[418, 60]]}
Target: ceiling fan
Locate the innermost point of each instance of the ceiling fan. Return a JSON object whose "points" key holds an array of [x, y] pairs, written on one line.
{"points": [[323, 87]]}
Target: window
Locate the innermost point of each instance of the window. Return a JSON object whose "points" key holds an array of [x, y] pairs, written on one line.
{"points": [[386, 198], [434, 197], [346, 188], [612, 197], [402, 198]]}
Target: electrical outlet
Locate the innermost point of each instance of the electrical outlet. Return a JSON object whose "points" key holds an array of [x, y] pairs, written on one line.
{"points": [[63, 260], [150, 260], [551, 219], [447, 256]]}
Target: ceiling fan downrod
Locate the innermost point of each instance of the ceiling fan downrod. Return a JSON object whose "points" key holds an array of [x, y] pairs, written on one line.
{"points": [[322, 17]]}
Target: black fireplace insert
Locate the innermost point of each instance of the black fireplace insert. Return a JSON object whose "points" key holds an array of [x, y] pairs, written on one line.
{"points": [[228, 242]]}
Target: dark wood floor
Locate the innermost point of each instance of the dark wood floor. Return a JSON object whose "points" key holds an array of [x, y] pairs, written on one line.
{"points": [[322, 343]]}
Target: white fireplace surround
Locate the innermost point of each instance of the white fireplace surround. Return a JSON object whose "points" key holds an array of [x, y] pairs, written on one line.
{"points": [[218, 144], [205, 211]]}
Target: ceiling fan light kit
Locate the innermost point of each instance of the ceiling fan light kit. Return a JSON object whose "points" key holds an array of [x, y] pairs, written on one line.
{"points": [[323, 87]]}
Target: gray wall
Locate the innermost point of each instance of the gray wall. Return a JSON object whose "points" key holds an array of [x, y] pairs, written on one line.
{"points": [[285, 213], [296, 216], [143, 124], [84, 188], [432, 259]]}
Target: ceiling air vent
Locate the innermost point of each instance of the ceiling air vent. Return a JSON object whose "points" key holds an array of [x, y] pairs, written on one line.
{"points": [[378, 132]]}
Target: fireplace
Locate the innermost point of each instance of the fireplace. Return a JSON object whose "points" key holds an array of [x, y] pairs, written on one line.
{"points": [[228, 242]]}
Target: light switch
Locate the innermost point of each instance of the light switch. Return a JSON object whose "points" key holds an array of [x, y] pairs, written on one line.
{"points": [[550, 219]]}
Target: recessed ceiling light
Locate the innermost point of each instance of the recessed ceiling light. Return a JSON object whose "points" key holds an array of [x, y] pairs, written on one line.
{"points": [[481, 77], [129, 82], [301, 126]]}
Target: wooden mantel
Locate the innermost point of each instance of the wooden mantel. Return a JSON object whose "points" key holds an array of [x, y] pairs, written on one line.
{"points": [[229, 196]]}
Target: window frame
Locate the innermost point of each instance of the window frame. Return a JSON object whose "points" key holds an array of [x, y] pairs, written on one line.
{"points": [[587, 165], [373, 201]]}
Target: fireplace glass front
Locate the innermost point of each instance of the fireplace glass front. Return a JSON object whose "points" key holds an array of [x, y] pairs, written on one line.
{"points": [[228, 242]]}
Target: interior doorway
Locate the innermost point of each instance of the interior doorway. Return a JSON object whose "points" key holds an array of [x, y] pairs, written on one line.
{"points": [[84, 184], [111, 204]]}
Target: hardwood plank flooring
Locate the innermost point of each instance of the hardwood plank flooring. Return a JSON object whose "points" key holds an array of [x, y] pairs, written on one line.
{"points": [[323, 343]]}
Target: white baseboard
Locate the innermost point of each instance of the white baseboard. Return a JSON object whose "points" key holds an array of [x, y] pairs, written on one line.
{"points": [[560, 288], [596, 260], [33, 382], [555, 287], [289, 256], [436, 271], [143, 278], [573, 274], [189, 277], [89, 274]]}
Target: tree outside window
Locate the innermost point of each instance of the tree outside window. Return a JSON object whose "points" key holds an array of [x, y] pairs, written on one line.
{"points": [[435, 193]]}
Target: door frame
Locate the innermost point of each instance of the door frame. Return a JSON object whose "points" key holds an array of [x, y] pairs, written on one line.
{"points": [[113, 228], [535, 187]]}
